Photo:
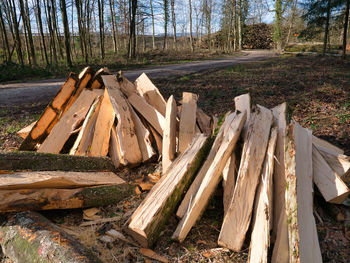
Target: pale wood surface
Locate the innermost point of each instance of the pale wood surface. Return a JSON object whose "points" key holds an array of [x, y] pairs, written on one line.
{"points": [[320, 143], [114, 149], [229, 180], [26, 130], [238, 216], [338, 162], [279, 226], [157, 139], [191, 192], [149, 218], [105, 119], [169, 136], [333, 189], [150, 92], [68, 123], [56, 179], [187, 120], [211, 179], [242, 103], [302, 232], [204, 122], [261, 226]]}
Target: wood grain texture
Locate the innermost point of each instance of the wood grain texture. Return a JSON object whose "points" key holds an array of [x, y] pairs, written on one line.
{"points": [[237, 218], [242, 103], [211, 179], [169, 135], [150, 217], [204, 122], [150, 92], [338, 162], [263, 207], [320, 143], [23, 133], [187, 120], [302, 232]]}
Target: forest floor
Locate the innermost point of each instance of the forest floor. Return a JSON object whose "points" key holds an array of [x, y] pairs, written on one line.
{"points": [[317, 91]]}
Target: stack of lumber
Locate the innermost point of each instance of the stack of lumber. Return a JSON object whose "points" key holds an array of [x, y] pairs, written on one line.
{"points": [[268, 167]]}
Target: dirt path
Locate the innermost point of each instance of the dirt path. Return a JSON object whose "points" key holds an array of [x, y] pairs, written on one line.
{"points": [[44, 90]]}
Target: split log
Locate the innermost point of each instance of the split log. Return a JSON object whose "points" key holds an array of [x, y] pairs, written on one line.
{"points": [[262, 216], [211, 179], [149, 91], [191, 192], [237, 219], [169, 135], [157, 138], [48, 198], [187, 120], [20, 161], [97, 82], [333, 189], [229, 177], [150, 217], [105, 119], [204, 122], [30, 237], [320, 143], [302, 232], [23, 133], [56, 179], [51, 114], [114, 149], [279, 225], [242, 103], [338, 162], [70, 121], [84, 139]]}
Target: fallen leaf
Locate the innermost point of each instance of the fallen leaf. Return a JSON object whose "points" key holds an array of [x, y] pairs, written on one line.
{"points": [[90, 214], [202, 242], [146, 186], [151, 254], [208, 254], [137, 190], [153, 179]]}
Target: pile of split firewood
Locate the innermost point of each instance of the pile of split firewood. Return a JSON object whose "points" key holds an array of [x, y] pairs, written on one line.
{"points": [[267, 164]]}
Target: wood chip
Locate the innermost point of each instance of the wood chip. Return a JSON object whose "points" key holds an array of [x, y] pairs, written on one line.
{"points": [[153, 255]]}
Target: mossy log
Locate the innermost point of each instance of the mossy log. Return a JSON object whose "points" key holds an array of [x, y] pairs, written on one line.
{"points": [[19, 161], [48, 198], [30, 237]]}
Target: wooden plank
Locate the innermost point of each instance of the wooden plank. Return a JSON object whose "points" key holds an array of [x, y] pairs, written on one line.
{"points": [[262, 215], [242, 103], [338, 162], [302, 232], [30, 237], [149, 91], [333, 189], [320, 143], [86, 127], [204, 122], [105, 119], [143, 137], [51, 114], [48, 198], [150, 217], [229, 175], [97, 82], [68, 123], [125, 129], [157, 139], [56, 179], [127, 87], [114, 149], [279, 225], [191, 192], [23, 133], [211, 179], [238, 216], [187, 120], [169, 138], [17, 161]]}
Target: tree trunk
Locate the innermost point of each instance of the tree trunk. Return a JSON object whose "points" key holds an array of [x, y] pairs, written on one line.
{"points": [[152, 15], [346, 28], [291, 20], [132, 35], [166, 20], [66, 31], [40, 23], [30, 36], [173, 18], [7, 46], [56, 28], [239, 22], [277, 35], [101, 20], [326, 30], [190, 9], [114, 28], [52, 35], [16, 28], [47, 242]]}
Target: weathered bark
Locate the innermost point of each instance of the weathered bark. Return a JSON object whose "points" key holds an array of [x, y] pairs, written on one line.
{"points": [[166, 21], [114, 27], [152, 15], [51, 31], [30, 237], [56, 29], [16, 29], [191, 39], [66, 32], [173, 19], [132, 34], [6, 42], [19, 161], [101, 24], [42, 37]]}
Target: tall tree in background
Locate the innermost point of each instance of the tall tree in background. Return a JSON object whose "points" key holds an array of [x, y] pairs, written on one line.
{"points": [[101, 24], [40, 23], [277, 34], [190, 9], [240, 24], [173, 19], [66, 31], [346, 22], [114, 27], [132, 34], [5, 38], [26, 22], [152, 16], [326, 30], [12, 9], [166, 21]]}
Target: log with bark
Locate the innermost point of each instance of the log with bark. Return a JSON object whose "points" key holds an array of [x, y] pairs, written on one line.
{"points": [[30, 237]]}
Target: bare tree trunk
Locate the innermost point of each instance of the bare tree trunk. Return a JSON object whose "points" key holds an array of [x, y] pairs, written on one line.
{"points": [[40, 26], [6, 42], [143, 36], [166, 20], [51, 32], [111, 6], [66, 31], [55, 28], [101, 20], [16, 29], [132, 35], [72, 29], [326, 33], [239, 22], [191, 39], [26, 23], [346, 22], [81, 32], [152, 15], [173, 18], [291, 20]]}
